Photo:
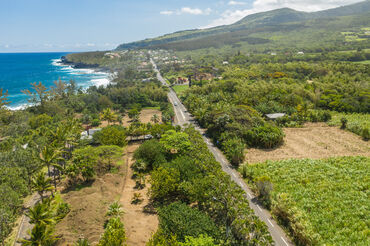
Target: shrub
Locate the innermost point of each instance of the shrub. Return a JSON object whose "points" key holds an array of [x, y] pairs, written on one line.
{"points": [[182, 220], [111, 135], [234, 150], [266, 136], [95, 123], [151, 152], [264, 188], [114, 234], [365, 134], [344, 122], [164, 184]]}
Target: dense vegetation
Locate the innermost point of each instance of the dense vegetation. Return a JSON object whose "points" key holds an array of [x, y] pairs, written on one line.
{"points": [[41, 146], [195, 198], [356, 123], [319, 201]]}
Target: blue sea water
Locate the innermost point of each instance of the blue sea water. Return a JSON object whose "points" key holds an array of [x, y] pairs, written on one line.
{"points": [[19, 70]]}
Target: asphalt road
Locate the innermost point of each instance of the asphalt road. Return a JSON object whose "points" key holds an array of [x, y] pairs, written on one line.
{"points": [[182, 118]]}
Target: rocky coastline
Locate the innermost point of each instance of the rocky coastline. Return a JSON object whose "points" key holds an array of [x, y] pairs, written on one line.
{"points": [[80, 65]]}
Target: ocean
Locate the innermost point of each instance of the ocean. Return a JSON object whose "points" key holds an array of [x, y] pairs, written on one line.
{"points": [[19, 70]]}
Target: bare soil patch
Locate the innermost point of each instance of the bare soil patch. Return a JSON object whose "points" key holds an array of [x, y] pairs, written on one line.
{"points": [[314, 140], [145, 117], [139, 225], [88, 208]]}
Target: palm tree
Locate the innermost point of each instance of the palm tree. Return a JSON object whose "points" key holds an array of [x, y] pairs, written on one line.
{"points": [[49, 157], [155, 119], [40, 214], [108, 115], [41, 184], [115, 210], [41, 235]]}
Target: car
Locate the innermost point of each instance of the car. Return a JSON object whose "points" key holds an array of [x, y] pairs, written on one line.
{"points": [[175, 104]]}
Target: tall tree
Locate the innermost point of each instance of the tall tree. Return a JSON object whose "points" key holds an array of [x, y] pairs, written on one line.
{"points": [[108, 115], [41, 184], [3, 98]]}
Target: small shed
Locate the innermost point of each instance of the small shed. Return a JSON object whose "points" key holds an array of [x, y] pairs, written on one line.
{"points": [[275, 116]]}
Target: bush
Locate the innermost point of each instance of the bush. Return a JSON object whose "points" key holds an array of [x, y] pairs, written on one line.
{"points": [[152, 153], [181, 220], [111, 135], [266, 136], [164, 184], [114, 234], [344, 122], [95, 123], [234, 150], [264, 189], [365, 134]]}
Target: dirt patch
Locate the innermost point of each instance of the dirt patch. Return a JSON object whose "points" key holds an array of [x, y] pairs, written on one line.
{"points": [[139, 225], [314, 140], [88, 208], [145, 117]]}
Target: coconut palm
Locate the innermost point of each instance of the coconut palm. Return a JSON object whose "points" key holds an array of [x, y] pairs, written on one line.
{"points": [[40, 214], [155, 119], [108, 115], [41, 184], [41, 235]]}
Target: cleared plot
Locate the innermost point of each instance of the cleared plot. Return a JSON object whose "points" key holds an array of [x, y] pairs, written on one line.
{"points": [[145, 117], [313, 141], [330, 197], [139, 225]]}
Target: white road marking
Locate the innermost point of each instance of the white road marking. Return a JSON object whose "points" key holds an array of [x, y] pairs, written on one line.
{"points": [[270, 223], [249, 195], [234, 175], [284, 241], [182, 114], [240, 182], [259, 208]]}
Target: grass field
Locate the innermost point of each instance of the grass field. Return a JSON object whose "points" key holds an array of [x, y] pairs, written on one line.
{"points": [[331, 196], [180, 88], [356, 122]]}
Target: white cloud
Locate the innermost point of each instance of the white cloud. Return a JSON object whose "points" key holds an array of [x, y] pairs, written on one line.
{"points": [[166, 12], [233, 3], [232, 16], [187, 10], [90, 44], [7, 46]]}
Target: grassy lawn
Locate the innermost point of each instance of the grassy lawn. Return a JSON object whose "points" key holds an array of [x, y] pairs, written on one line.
{"points": [[180, 88], [328, 199]]}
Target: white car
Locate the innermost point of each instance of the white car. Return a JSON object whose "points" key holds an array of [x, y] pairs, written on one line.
{"points": [[175, 103]]}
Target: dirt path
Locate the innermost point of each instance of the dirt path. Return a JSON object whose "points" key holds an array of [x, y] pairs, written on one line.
{"points": [[315, 140], [139, 225], [25, 225]]}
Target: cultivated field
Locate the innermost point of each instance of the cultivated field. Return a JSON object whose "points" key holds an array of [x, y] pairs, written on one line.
{"points": [[314, 141], [328, 200]]}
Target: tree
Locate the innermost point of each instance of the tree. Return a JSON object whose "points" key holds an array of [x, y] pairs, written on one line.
{"points": [[38, 95], [108, 115], [181, 220], [107, 154], [111, 135], [176, 142], [202, 240], [155, 119], [114, 234], [41, 214], [49, 157], [41, 184], [264, 189], [41, 235], [3, 98], [234, 150], [6, 223], [83, 163], [164, 183], [151, 152], [133, 114]]}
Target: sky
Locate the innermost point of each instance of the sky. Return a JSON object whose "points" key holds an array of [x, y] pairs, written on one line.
{"points": [[88, 25]]}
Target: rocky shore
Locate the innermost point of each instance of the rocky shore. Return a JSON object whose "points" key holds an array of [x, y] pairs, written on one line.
{"points": [[80, 65]]}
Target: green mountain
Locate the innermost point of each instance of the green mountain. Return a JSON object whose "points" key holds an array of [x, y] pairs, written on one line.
{"points": [[278, 28]]}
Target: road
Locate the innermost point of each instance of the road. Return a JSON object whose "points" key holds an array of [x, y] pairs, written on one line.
{"points": [[184, 117]]}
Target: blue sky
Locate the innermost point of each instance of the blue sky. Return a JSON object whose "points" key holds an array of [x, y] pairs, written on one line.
{"points": [[81, 25]]}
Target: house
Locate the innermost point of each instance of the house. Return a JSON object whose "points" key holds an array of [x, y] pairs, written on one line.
{"points": [[300, 53], [225, 63]]}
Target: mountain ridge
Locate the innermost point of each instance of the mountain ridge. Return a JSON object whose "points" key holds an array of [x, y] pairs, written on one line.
{"points": [[283, 18]]}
